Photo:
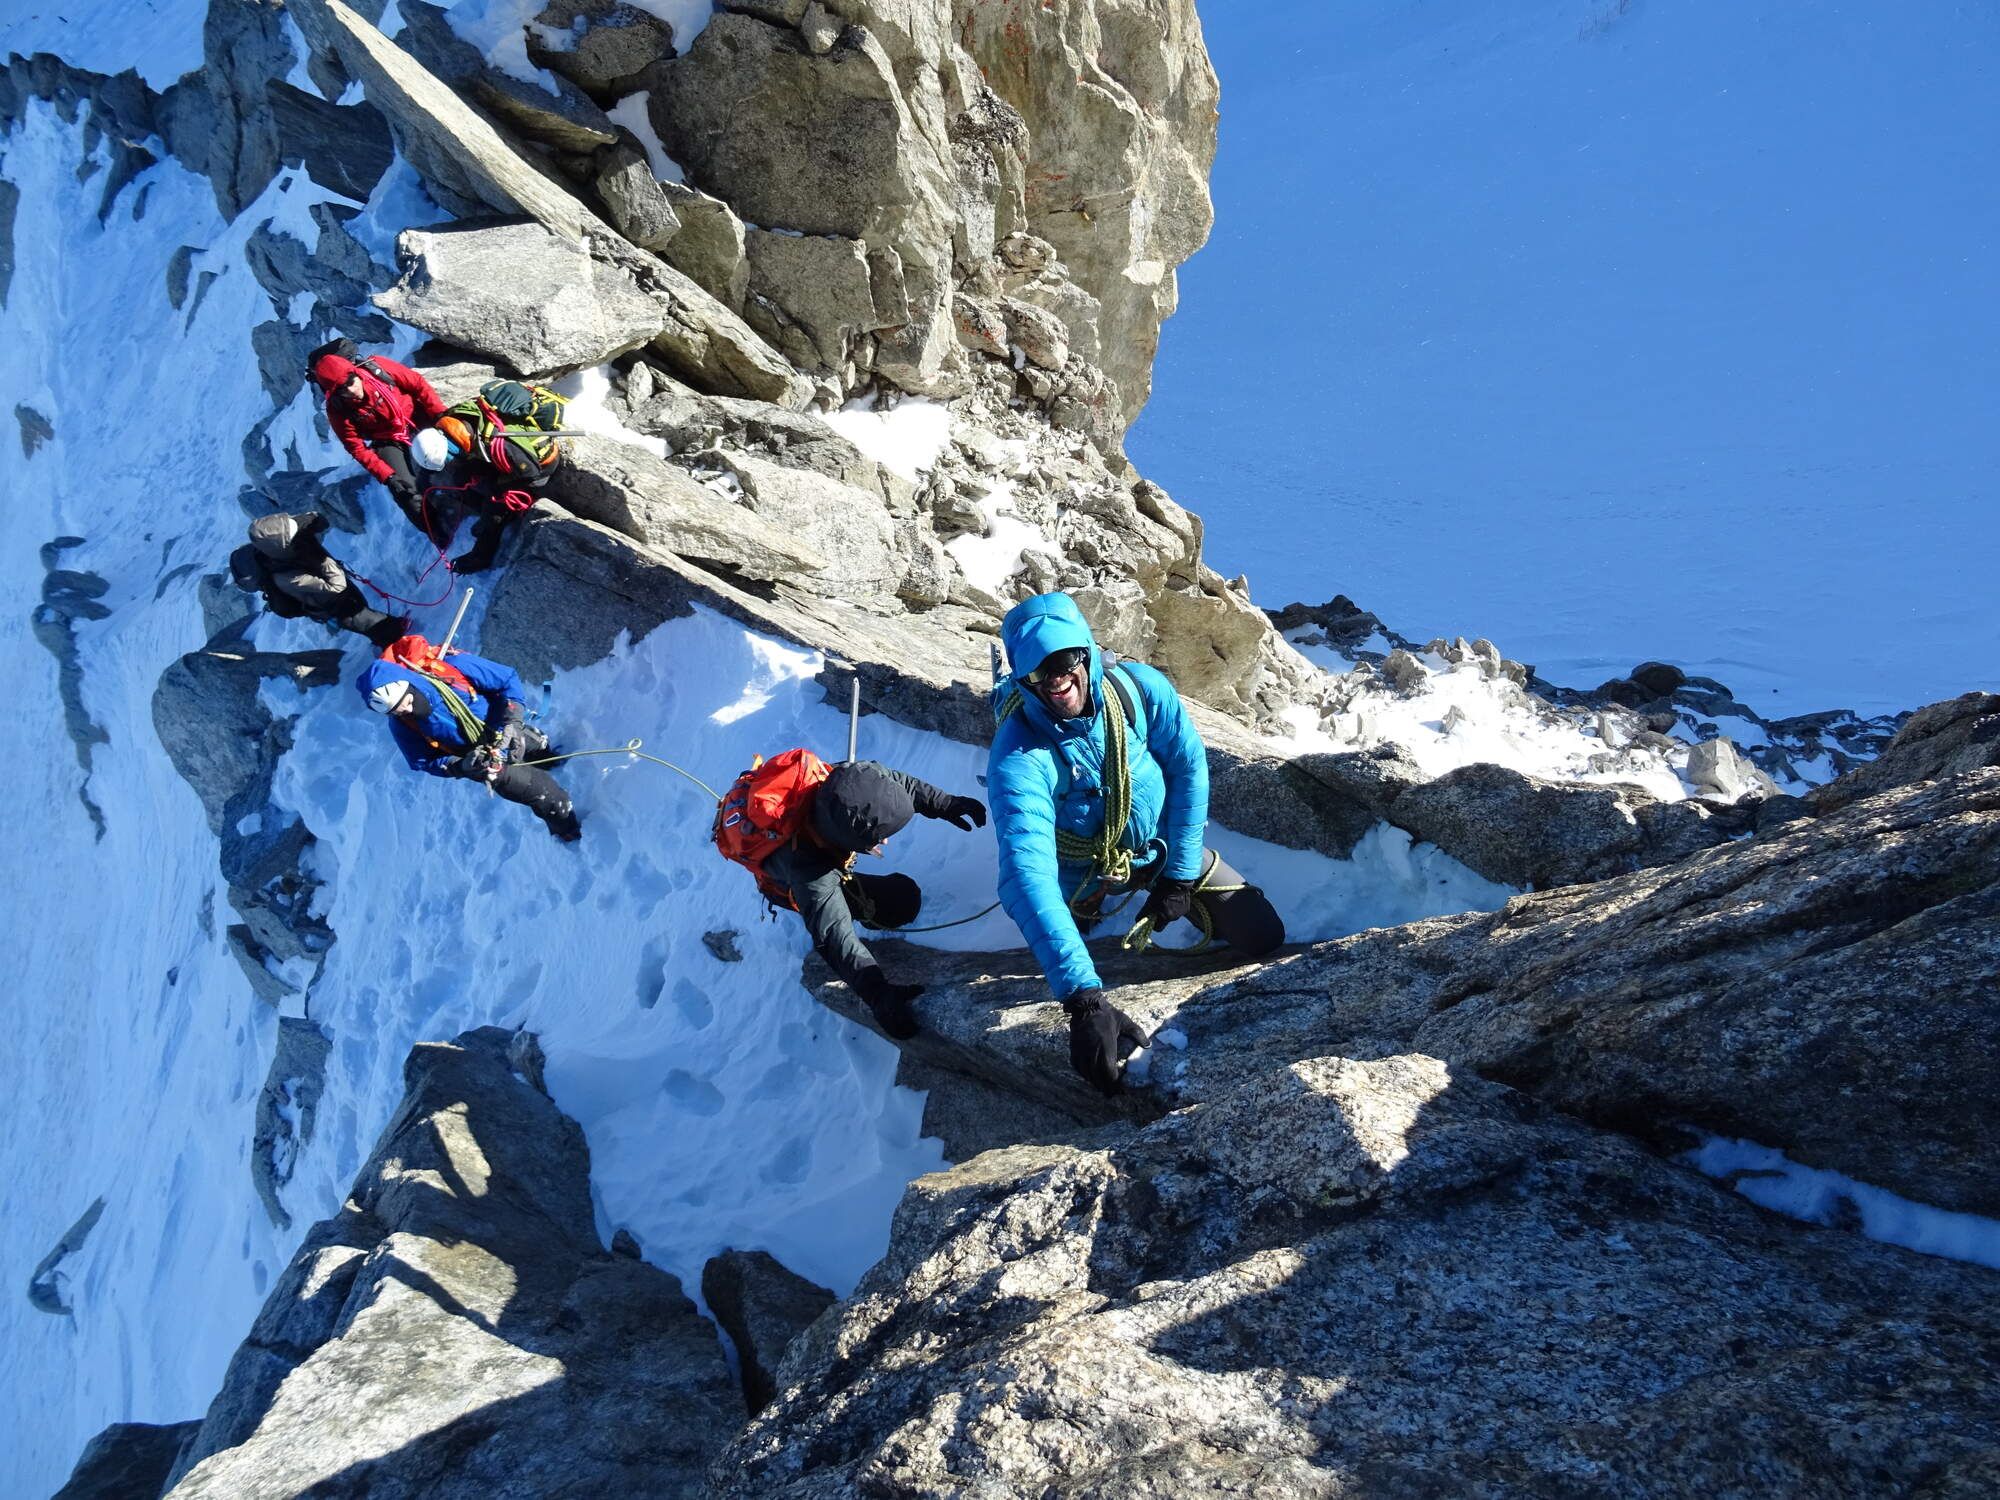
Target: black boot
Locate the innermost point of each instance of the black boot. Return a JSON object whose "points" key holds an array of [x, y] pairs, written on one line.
{"points": [[487, 535]]}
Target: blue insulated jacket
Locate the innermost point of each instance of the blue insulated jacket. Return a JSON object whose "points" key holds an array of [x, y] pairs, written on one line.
{"points": [[1045, 772], [441, 742]]}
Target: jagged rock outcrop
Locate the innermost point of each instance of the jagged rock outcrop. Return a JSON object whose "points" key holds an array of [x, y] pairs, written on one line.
{"points": [[1959, 734], [458, 1330], [533, 301], [1832, 991], [1119, 102], [1371, 1278], [540, 304], [562, 117], [467, 164], [649, 500], [762, 1307], [610, 45], [1523, 830]]}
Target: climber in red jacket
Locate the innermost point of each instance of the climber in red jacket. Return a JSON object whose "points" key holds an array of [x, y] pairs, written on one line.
{"points": [[375, 407]]}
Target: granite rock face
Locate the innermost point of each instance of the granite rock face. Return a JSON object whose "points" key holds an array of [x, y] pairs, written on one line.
{"points": [[458, 1330], [1371, 1278], [1832, 991], [1959, 734], [628, 489]]}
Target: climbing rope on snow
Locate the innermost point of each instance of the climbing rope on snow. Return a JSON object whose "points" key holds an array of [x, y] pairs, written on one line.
{"points": [[631, 748]]}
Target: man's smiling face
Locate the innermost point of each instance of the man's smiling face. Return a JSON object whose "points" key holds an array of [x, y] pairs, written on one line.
{"points": [[1063, 682]]}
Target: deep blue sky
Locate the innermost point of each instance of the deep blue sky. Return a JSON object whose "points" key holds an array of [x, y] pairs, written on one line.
{"points": [[1607, 330]]}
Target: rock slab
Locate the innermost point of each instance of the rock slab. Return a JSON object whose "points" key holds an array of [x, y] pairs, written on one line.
{"points": [[457, 1330], [1372, 1279]]}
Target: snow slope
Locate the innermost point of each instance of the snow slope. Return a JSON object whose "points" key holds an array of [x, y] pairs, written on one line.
{"points": [[1608, 329], [134, 1049]]}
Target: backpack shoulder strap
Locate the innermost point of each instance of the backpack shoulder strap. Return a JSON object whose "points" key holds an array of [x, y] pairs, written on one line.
{"points": [[1126, 694]]}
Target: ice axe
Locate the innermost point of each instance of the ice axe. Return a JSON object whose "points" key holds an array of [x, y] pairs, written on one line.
{"points": [[456, 620], [854, 716]]}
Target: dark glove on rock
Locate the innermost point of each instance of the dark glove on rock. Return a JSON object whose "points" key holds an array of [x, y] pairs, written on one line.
{"points": [[966, 813], [1168, 903], [889, 1003], [1100, 1037]]}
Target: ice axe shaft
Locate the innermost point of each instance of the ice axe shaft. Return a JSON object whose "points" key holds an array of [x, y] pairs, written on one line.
{"points": [[854, 716], [456, 620]]}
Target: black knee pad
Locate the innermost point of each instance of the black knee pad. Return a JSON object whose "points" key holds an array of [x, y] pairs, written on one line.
{"points": [[1246, 920], [896, 899]]}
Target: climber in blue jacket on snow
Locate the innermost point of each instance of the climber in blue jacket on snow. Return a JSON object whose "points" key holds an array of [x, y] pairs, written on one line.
{"points": [[463, 717], [1054, 775]]}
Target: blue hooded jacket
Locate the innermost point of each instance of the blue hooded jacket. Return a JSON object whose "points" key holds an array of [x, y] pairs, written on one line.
{"points": [[1045, 772], [436, 748]]}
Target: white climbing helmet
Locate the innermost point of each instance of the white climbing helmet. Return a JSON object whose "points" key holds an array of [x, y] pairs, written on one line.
{"points": [[432, 448], [384, 696]]}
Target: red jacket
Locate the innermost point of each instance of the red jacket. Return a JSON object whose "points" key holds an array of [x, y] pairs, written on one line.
{"points": [[389, 411]]}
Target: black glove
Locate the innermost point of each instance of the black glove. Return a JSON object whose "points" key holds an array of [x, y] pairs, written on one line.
{"points": [[1168, 903], [1101, 1036], [965, 813], [477, 764], [889, 1003], [403, 488]]}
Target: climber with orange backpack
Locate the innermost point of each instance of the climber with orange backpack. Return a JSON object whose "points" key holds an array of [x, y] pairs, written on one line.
{"points": [[463, 717], [797, 825]]}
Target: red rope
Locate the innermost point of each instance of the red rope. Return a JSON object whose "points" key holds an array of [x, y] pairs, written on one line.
{"points": [[423, 510]]}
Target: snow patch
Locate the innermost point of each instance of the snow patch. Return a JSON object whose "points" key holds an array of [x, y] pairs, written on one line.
{"points": [[989, 561], [633, 114], [906, 439], [588, 410], [1769, 1178]]}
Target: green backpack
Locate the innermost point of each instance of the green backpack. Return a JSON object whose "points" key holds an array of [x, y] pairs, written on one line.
{"points": [[515, 429]]}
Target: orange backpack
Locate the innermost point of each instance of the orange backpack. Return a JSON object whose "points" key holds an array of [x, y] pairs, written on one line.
{"points": [[763, 811], [419, 655]]}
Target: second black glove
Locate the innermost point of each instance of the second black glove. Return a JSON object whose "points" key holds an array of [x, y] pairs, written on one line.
{"points": [[1101, 1036], [1168, 903], [966, 813]]}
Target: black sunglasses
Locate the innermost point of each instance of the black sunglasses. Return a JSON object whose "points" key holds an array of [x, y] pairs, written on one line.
{"points": [[1058, 664]]}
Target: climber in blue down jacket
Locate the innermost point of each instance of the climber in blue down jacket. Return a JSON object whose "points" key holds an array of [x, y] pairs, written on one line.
{"points": [[1053, 776], [462, 717]]}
